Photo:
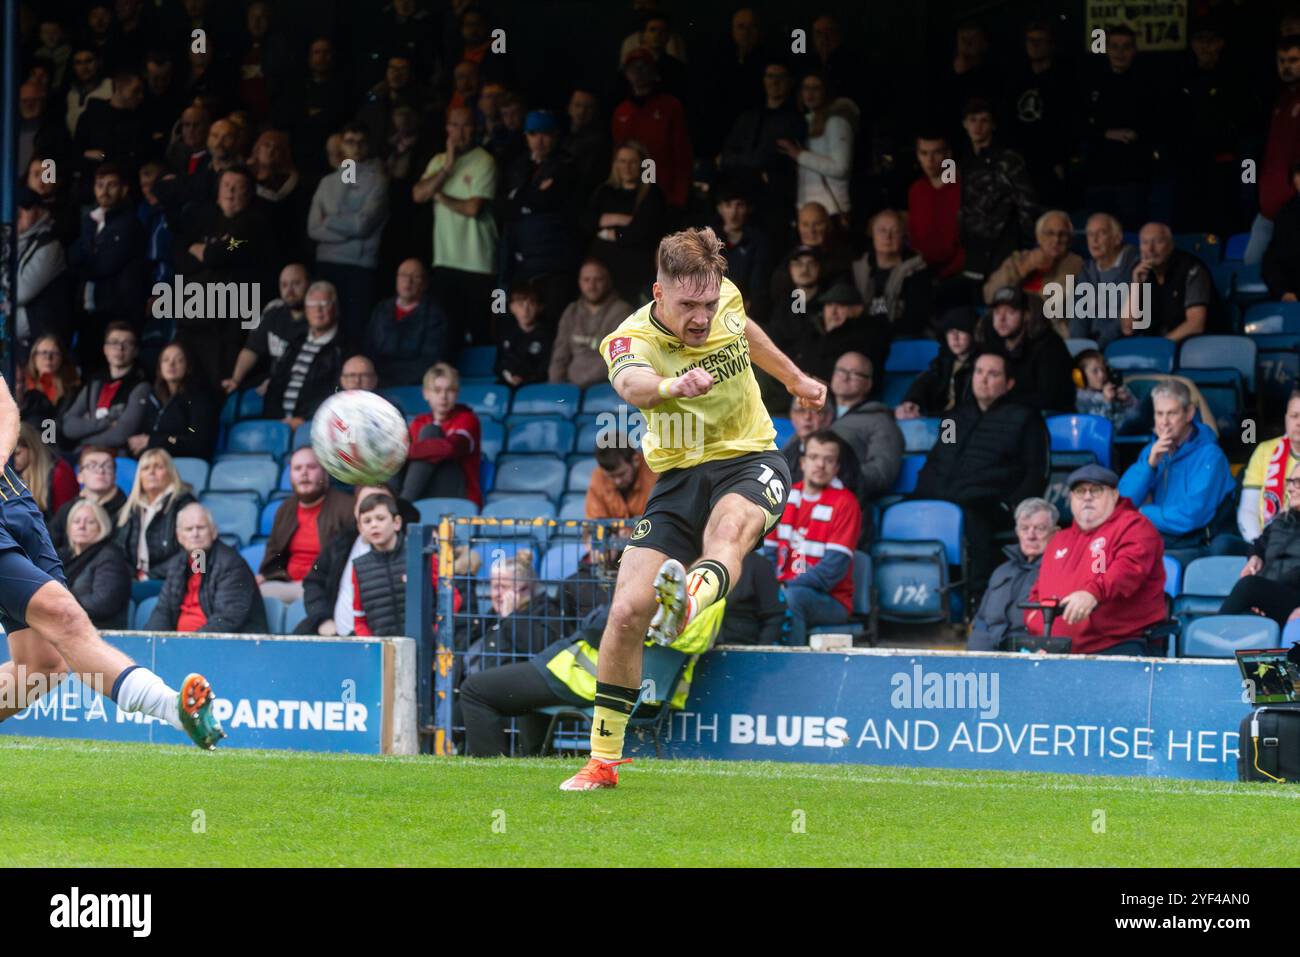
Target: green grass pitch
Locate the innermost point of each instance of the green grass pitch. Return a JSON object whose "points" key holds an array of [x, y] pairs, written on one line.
{"points": [[72, 803]]}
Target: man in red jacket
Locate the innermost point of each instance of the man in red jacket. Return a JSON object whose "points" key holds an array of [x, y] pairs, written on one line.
{"points": [[1106, 570], [658, 122]]}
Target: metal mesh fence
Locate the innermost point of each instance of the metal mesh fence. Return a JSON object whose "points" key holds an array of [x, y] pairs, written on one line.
{"points": [[515, 587]]}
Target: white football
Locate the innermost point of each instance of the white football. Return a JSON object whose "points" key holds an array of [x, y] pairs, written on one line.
{"points": [[359, 437]]}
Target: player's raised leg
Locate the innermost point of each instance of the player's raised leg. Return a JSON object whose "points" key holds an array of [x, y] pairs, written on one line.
{"points": [[54, 615], [734, 529], [618, 668]]}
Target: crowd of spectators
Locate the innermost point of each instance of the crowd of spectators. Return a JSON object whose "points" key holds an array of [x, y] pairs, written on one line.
{"points": [[397, 195]]}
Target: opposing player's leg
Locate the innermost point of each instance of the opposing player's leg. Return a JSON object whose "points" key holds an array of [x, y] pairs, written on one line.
{"points": [[618, 668], [54, 615], [34, 668]]}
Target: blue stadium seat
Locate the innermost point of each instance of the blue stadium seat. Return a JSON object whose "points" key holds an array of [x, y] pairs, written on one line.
{"points": [[302, 436], [910, 355], [784, 430], [919, 435], [540, 434], [561, 560], [254, 475], [193, 472], [600, 397], [492, 436], [409, 399], [267, 518], [1080, 345], [1220, 352], [1173, 577], [294, 614], [1236, 247], [1247, 283], [140, 590], [143, 610], [253, 555], [895, 387], [1290, 634], [521, 508], [1144, 353], [573, 507], [1212, 575], [486, 400], [234, 514], [125, 473], [285, 485], [250, 404], [542, 474], [433, 509], [919, 542], [1206, 582], [1272, 318], [1218, 636], [546, 398], [589, 431], [229, 410], [1204, 246], [259, 435], [477, 361], [580, 475], [487, 471], [275, 610], [1082, 433], [906, 481]]}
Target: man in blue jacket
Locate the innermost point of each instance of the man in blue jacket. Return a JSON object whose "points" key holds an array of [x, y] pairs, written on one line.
{"points": [[1181, 479]]}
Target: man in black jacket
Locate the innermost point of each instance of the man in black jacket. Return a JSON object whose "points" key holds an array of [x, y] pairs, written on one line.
{"points": [[1037, 358], [994, 457], [306, 374], [226, 598], [228, 241], [407, 333], [108, 261]]}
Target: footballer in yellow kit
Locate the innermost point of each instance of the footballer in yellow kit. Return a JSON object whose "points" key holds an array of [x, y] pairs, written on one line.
{"points": [[686, 361]]}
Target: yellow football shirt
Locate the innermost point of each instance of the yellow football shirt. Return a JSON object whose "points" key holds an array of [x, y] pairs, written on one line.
{"points": [[727, 421]]}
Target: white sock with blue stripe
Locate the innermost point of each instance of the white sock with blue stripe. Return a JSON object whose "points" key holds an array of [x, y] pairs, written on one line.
{"points": [[139, 689]]}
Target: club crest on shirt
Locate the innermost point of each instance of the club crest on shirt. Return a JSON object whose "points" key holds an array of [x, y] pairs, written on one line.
{"points": [[734, 322], [619, 347], [1097, 544], [642, 529]]}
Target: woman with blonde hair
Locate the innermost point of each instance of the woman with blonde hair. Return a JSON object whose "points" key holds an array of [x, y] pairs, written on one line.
{"points": [[625, 217], [49, 478], [98, 574], [146, 526]]}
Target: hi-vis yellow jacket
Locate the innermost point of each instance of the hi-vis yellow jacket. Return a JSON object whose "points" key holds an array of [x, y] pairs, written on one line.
{"points": [[575, 664]]}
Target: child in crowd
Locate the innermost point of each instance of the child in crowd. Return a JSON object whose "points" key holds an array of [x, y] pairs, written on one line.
{"points": [[523, 346], [379, 575], [1101, 392]]}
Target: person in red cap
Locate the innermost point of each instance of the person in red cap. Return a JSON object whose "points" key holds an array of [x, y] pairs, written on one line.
{"points": [[1106, 571]]}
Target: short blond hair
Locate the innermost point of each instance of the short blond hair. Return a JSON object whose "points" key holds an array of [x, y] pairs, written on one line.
{"points": [[441, 370], [100, 513], [691, 256]]}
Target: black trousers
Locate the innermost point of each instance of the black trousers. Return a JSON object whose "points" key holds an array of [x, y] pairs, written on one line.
{"points": [[444, 479], [466, 298], [489, 697], [1274, 599], [984, 519]]}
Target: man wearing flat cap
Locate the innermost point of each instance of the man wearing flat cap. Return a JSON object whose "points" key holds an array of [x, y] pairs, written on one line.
{"points": [[1106, 570], [843, 326], [1039, 359]]}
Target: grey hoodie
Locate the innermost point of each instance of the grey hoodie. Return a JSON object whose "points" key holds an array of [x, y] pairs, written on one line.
{"points": [[40, 261], [347, 219], [876, 439]]}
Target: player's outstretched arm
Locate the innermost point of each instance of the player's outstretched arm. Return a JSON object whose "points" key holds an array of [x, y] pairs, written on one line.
{"points": [[645, 388], [764, 354], [9, 419]]}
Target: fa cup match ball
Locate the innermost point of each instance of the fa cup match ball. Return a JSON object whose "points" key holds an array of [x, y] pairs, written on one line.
{"points": [[360, 438]]}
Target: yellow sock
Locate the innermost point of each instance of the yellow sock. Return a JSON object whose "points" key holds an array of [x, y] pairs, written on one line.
{"points": [[614, 705], [706, 582]]}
